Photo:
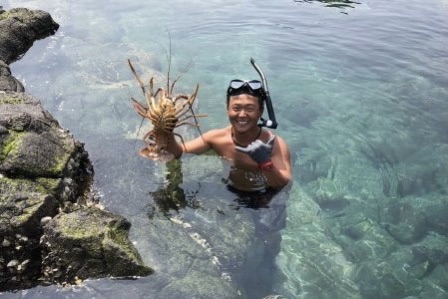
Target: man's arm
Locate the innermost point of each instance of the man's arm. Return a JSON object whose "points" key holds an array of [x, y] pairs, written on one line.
{"points": [[279, 174], [195, 146], [273, 158]]}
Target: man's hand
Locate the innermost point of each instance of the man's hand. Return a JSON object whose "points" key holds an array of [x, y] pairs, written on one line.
{"points": [[259, 151]]}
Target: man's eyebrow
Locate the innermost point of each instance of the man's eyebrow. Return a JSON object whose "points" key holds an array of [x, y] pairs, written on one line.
{"points": [[241, 105]]}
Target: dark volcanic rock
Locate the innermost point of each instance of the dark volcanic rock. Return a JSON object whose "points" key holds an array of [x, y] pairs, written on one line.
{"points": [[7, 80], [45, 185], [33, 143], [90, 243], [42, 169], [20, 28]]}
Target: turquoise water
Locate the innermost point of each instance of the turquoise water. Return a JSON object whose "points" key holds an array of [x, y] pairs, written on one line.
{"points": [[361, 96]]}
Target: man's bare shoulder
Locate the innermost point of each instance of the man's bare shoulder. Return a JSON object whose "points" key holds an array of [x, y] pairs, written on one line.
{"points": [[216, 133]]}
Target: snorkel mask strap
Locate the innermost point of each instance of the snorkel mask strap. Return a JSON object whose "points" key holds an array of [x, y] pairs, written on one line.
{"points": [[271, 122]]}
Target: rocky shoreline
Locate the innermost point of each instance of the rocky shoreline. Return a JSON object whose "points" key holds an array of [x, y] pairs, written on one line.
{"points": [[52, 229]]}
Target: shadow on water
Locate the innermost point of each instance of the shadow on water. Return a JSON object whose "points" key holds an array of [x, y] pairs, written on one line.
{"points": [[170, 197], [341, 4]]}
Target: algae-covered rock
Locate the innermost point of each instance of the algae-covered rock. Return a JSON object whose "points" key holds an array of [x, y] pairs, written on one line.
{"points": [[23, 203], [90, 243], [33, 146], [44, 170], [38, 155]]}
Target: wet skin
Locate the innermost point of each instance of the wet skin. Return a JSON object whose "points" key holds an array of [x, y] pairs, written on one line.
{"points": [[243, 112]]}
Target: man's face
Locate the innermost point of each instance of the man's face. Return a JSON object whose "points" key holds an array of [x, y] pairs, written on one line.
{"points": [[244, 112]]}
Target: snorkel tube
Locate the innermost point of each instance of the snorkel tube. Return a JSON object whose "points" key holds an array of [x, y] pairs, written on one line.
{"points": [[271, 122]]}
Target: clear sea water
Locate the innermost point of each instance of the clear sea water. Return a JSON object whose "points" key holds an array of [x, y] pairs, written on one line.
{"points": [[361, 87]]}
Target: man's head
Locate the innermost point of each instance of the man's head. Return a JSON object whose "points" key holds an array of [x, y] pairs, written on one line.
{"points": [[253, 88], [244, 105]]}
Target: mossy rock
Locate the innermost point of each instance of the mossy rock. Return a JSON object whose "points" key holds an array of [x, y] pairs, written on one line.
{"points": [[91, 243], [36, 155], [23, 203]]}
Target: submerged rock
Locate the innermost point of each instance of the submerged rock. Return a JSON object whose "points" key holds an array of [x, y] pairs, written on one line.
{"points": [[385, 215], [404, 221]]}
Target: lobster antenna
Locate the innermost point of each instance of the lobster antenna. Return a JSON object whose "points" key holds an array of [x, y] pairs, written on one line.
{"points": [[142, 86], [141, 123], [186, 69], [169, 63]]}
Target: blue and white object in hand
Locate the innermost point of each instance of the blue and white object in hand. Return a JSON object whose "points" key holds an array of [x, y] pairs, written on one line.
{"points": [[259, 151]]}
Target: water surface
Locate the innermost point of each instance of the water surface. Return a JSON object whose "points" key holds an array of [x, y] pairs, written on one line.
{"points": [[361, 96]]}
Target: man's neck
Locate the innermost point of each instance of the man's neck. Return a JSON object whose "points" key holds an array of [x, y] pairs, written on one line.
{"points": [[244, 139]]}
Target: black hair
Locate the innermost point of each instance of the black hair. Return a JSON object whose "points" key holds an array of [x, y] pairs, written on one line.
{"points": [[246, 90]]}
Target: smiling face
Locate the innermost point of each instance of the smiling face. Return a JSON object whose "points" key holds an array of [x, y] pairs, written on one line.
{"points": [[244, 111]]}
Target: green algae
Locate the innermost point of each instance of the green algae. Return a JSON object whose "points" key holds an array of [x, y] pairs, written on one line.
{"points": [[119, 235], [24, 202], [11, 144], [59, 164], [16, 150], [31, 206], [11, 187], [6, 15], [17, 13], [62, 157], [51, 185], [100, 236], [12, 100]]}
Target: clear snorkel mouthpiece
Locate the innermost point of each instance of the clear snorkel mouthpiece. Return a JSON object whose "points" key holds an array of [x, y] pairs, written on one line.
{"points": [[271, 122]]}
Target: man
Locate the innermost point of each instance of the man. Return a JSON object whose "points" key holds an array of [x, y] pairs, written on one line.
{"points": [[260, 166], [259, 158]]}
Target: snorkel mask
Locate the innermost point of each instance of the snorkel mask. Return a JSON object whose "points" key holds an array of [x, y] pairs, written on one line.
{"points": [[258, 89]]}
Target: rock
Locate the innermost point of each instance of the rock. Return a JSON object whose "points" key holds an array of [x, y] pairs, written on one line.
{"points": [[45, 171], [404, 220], [328, 197], [435, 213], [370, 242], [440, 276], [22, 204], [35, 182], [379, 281], [313, 263], [7, 80], [19, 28], [91, 243], [432, 249]]}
